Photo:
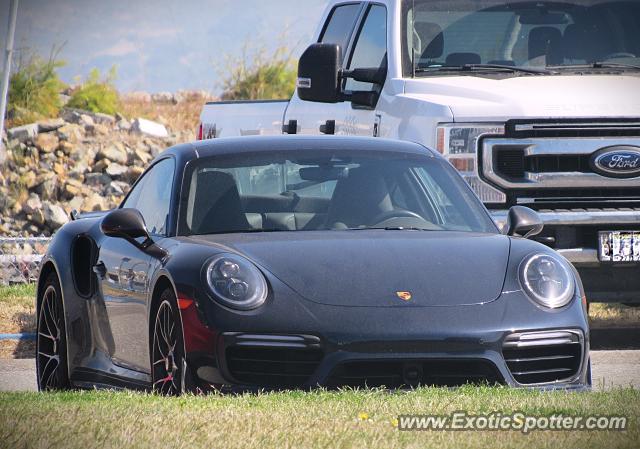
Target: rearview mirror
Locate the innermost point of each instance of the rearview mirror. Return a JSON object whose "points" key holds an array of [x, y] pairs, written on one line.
{"points": [[125, 223], [319, 73], [523, 221]]}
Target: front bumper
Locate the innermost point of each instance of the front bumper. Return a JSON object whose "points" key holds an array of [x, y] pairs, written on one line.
{"points": [[495, 343], [573, 233]]}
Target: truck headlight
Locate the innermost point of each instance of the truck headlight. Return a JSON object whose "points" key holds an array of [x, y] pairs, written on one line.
{"points": [[458, 143], [453, 138], [236, 282], [547, 279]]}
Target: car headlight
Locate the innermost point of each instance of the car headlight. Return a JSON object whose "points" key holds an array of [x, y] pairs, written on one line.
{"points": [[235, 282], [547, 279]]}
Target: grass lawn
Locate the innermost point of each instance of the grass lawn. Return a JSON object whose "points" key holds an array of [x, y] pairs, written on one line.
{"points": [[358, 419]]}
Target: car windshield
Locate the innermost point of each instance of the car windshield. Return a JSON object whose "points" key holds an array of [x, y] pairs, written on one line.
{"points": [[323, 191], [522, 34]]}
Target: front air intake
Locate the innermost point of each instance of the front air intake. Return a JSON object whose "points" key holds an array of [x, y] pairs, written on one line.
{"points": [[543, 357]]}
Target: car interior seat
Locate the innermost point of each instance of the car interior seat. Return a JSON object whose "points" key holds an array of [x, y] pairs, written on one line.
{"points": [[358, 199], [217, 206]]}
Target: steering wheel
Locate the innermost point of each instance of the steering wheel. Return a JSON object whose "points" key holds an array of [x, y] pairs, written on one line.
{"points": [[396, 213], [621, 54]]}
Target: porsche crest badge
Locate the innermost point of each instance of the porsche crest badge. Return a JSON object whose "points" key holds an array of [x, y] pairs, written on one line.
{"points": [[405, 296]]}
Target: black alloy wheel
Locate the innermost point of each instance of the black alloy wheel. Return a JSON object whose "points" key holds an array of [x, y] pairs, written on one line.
{"points": [[167, 353], [51, 342]]}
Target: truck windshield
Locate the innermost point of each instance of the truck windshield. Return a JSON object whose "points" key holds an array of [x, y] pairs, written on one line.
{"points": [[320, 191], [442, 35]]}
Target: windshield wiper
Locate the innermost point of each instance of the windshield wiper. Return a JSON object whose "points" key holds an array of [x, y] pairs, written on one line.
{"points": [[484, 67], [596, 65]]}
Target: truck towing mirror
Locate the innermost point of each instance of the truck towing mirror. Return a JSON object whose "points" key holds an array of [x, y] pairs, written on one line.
{"points": [[523, 221], [319, 73]]}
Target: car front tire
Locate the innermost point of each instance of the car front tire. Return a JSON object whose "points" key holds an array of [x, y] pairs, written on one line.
{"points": [[167, 347]]}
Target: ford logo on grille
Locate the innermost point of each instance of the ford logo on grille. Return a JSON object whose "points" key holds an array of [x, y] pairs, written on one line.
{"points": [[620, 161]]}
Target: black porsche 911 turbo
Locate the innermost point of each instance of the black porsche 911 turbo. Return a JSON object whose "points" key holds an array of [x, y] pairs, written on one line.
{"points": [[294, 262]]}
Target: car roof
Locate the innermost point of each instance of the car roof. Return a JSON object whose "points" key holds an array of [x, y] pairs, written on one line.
{"points": [[253, 144]]}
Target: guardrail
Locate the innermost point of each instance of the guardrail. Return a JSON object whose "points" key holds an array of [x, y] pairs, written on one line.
{"points": [[20, 258]]}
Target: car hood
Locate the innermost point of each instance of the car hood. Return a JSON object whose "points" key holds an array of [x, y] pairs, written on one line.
{"points": [[373, 267], [475, 98]]}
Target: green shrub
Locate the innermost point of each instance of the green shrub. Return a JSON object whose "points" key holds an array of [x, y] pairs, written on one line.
{"points": [[267, 77], [97, 95], [34, 91]]}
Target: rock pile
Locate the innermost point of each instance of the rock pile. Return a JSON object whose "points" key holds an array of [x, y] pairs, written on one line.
{"points": [[80, 160]]}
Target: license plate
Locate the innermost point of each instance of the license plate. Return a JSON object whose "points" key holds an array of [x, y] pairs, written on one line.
{"points": [[619, 246]]}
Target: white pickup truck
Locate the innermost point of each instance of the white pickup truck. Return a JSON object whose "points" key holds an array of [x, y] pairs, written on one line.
{"points": [[536, 103]]}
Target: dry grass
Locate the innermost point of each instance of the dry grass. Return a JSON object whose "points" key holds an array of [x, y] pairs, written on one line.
{"points": [[17, 309], [17, 315], [344, 419], [181, 117], [613, 315]]}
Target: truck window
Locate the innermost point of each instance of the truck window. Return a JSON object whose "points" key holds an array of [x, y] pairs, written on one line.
{"points": [[370, 48], [340, 25]]}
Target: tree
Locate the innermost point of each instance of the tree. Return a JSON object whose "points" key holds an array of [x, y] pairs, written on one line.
{"points": [[97, 95], [34, 89], [258, 75]]}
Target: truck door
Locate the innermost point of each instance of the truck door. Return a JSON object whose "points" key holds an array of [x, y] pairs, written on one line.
{"points": [[369, 50], [310, 116]]}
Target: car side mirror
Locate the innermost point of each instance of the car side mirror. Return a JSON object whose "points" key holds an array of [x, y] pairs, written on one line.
{"points": [[126, 223], [523, 221], [319, 73]]}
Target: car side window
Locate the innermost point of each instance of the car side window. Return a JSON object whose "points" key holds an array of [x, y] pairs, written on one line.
{"points": [[370, 49], [152, 197], [340, 25]]}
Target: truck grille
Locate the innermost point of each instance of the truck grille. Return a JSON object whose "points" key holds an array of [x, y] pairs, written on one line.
{"points": [[552, 160], [542, 357]]}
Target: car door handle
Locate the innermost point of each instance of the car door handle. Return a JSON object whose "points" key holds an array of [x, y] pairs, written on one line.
{"points": [[100, 270]]}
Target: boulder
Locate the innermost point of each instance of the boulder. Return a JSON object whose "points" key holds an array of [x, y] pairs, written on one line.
{"points": [[97, 179], [114, 153], [149, 128], [47, 142], [93, 202], [116, 170], [123, 125], [97, 130], [23, 133], [45, 126], [32, 204], [54, 215], [29, 179], [118, 188], [134, 173], [86, 120], [103, 119], [71, 133]]}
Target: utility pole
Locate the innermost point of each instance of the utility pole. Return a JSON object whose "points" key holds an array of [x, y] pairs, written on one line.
{"points": [[7, 71]]}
